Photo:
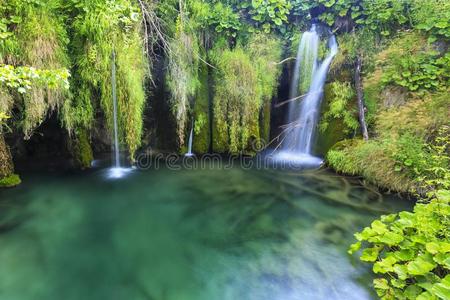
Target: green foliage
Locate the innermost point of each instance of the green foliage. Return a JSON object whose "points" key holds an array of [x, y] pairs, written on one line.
{"points": [[267, 14], [381, 16], [373, 160], [3, 118], [182, 76], [10, 181], [82, 150], [341, 108], [99, 28], [35, 60], [202, 121], [433, 17], [30, 84], [219, 17], [22, 79], [410, 251], [426, 162], [415, 65], [245, 79]]}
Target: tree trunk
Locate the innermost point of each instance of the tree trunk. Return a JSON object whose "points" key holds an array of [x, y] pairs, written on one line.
{"points": [[360, 97]]}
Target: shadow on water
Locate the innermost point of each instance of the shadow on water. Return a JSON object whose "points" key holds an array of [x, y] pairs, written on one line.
{"points": [[197, 234]]}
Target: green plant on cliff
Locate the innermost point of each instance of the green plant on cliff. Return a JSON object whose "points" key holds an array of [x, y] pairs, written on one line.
{"points": [[341, 108], [183, 74], [99, 28], [410, 252], [414, 64], [245, 79], [432, 17], [267, 14], [33, 53]]}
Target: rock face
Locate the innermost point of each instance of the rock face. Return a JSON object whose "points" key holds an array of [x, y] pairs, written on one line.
{"points": [[393, 96], [6, 164]]}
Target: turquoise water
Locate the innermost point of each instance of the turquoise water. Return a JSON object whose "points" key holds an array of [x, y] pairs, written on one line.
{"points": [[189, 234]]}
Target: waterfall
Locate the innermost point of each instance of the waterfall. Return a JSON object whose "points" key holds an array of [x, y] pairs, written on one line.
{"points": [[303, 116], [116, 171], [189, 153], [114, 98]]}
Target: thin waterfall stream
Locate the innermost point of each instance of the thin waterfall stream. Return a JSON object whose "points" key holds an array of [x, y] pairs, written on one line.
{"points": [[308, 79], [116, 170], [191, 137]]}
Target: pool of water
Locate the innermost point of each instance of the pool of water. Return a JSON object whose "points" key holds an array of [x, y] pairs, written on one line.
{"points": [[187, 234]]}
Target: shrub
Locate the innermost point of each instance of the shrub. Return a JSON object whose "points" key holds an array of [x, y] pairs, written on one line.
{"points": [[410, 251]]}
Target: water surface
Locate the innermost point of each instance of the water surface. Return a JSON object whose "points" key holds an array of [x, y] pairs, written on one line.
{"points": [[189, 234]]}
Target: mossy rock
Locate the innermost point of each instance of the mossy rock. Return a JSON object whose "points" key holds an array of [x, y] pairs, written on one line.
{"points": [[10, 181], [334, 131], [6, 164], [264, 122], [81, 150], [202, 132]]}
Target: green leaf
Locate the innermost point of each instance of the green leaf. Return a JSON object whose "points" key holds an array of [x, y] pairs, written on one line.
{"points": [[391, 238], [412, 291], [432, 247], [442, 289], [385, 265], [421, 265], [354, 247], [401, 271], [405, 254], [425, 296], [379, 227], [381, 283], [370, 254], [277, 21]]}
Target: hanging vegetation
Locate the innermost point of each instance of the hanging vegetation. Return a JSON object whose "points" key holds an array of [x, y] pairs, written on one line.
{"points": [[182, 77], [99, 29], [245, 80]]}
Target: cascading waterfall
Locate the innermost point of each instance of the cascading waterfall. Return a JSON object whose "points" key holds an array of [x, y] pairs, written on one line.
{"points": [[303, 113], [191, 136]]}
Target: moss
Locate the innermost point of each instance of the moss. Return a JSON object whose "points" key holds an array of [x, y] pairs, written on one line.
{"points": [[6, 164], [82, 150], [39, 41], [202, 118], [372, 160], [245, 81], [10, 181], [334, 131], [183, 76], [264, 123], [396, 157], [97, 30]]}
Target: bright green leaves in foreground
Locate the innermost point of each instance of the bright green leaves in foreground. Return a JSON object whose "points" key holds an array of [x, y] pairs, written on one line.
{"points": [[23, 78], [410, 251]]}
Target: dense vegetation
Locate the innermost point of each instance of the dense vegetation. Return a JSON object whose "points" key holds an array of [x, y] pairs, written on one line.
{"points": [[221, 67]]}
